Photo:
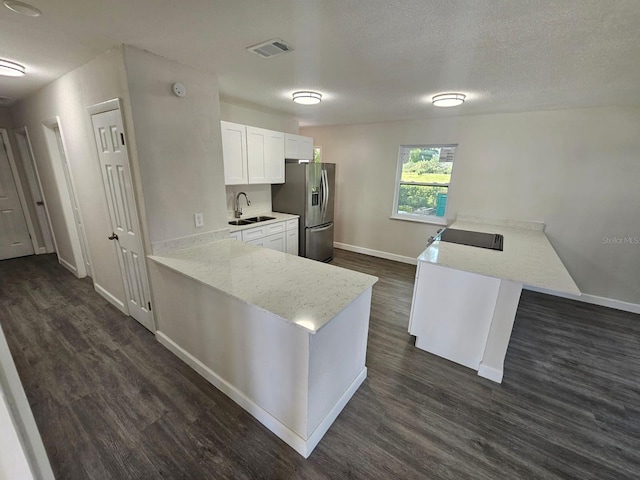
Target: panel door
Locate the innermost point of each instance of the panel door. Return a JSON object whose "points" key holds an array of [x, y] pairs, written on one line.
{"points": [[114, 162], [276, 242], [305, 148], [292, 146], [274, 157], [257, 155], [292, 242], [234, 153], [273, 242], [14, 234]]}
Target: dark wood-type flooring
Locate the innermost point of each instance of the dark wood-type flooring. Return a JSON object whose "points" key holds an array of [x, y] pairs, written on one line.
{"points": [[111, 402]]}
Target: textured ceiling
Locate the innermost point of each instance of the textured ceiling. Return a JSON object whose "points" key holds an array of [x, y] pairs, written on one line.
{"points": [[374, 60]]}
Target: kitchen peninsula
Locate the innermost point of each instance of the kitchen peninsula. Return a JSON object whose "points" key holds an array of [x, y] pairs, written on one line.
{"points": [[285, 337], [465, 298]]}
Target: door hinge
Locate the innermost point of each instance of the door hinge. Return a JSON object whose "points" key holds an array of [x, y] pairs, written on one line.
{"points": [[149, 306], [122, 137]]}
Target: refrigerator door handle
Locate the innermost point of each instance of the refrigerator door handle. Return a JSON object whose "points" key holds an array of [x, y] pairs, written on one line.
{"points": [[325, 190], [321, 229]]}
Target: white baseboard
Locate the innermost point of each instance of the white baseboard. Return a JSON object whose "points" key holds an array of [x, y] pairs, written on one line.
{"points": [[376, 253], [295, 441], [490, 373], [67, 265], [110, 298], [593, 299], [585, 297]]}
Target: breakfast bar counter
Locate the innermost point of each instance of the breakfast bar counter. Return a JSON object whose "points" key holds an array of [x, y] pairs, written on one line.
{"points": [[283, 336], [465, 297]]}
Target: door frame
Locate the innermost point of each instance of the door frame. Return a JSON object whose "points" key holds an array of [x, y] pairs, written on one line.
{"points": [[35, 184], [48, 126], [21, 196], [107, 106]]}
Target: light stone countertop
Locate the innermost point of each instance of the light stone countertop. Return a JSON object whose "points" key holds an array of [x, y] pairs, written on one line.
{"points": [[278, 217], [527, 258], [301, 291]]}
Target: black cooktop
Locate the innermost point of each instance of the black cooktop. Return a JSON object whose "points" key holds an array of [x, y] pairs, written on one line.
{"points": [[492, 241]]}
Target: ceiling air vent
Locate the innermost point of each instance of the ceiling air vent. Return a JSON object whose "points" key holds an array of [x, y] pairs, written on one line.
{"points": [[6, 101], [271, 48]]}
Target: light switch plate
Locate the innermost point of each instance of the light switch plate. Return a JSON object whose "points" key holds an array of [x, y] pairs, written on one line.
{"points": [[199, 218]]}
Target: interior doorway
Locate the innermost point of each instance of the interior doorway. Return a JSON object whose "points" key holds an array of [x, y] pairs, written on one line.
{"points": [[35, 188], [56, 146], [15, 235]]}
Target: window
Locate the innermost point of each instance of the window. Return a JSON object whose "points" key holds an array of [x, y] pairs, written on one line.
{"points": [[422, 184]]}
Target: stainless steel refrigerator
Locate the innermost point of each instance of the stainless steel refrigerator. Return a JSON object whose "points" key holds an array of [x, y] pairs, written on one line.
{"points": [[308, 191]]}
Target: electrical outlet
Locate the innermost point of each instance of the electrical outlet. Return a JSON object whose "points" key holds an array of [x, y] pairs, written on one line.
{"points": [[199, 220]]}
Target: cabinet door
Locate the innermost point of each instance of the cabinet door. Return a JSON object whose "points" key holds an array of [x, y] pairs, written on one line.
{"points": [[291, 148], [274, 242], [256, 154], [298, 147], [305, 144], [292, 242], [236, 235], [234, 153], [265, 155], [274, 157]]}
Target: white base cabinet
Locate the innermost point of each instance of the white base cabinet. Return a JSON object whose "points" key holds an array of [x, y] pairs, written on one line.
{"points": [[464, 317], [281, 236]]}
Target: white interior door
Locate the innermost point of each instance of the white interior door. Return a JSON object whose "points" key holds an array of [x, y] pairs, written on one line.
{"points": [[114, 162], [35, 188], [15, 240], [77, 217]]}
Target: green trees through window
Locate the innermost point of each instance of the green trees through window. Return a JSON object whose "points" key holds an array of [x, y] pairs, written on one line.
{"points": [[424, 180]]}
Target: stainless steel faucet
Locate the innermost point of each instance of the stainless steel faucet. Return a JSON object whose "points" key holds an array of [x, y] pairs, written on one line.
{"points": [[238, 211]]}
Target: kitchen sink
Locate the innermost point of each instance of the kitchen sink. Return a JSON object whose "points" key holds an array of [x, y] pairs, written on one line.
{"points": [[259, 219], [240, 222]]}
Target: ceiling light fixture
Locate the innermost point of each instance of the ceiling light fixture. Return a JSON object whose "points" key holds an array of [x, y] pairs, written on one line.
{"points": [[11, 69], [306, 97], [448, 99], [22, 8]]}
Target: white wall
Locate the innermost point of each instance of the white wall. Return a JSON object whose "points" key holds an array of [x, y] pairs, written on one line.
{"points": [[178, 144], [260, 195], [100, 79], [257, 116], [5, 118], [575, 170]]}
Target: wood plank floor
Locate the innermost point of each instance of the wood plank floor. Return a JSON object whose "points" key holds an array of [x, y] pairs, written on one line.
{"points": [[111, 402]]}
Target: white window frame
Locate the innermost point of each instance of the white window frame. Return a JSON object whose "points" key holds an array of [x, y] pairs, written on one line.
{"points": [[433, 219]]}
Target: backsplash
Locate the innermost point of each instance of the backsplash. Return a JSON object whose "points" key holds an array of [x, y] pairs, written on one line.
{"points": [[260, 196]]}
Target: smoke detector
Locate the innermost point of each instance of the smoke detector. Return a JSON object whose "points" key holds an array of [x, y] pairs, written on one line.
{"points": [[270, 48]]}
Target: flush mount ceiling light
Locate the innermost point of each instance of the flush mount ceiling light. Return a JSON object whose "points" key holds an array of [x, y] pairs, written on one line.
{"points": [[11, 69], [22, 8], [448, 99], [307, 97]]}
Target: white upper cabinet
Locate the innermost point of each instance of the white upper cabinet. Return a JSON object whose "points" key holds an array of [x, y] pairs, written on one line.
{"points": [[234, 153], [252, 155], [265, 152], [298, 147]]}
